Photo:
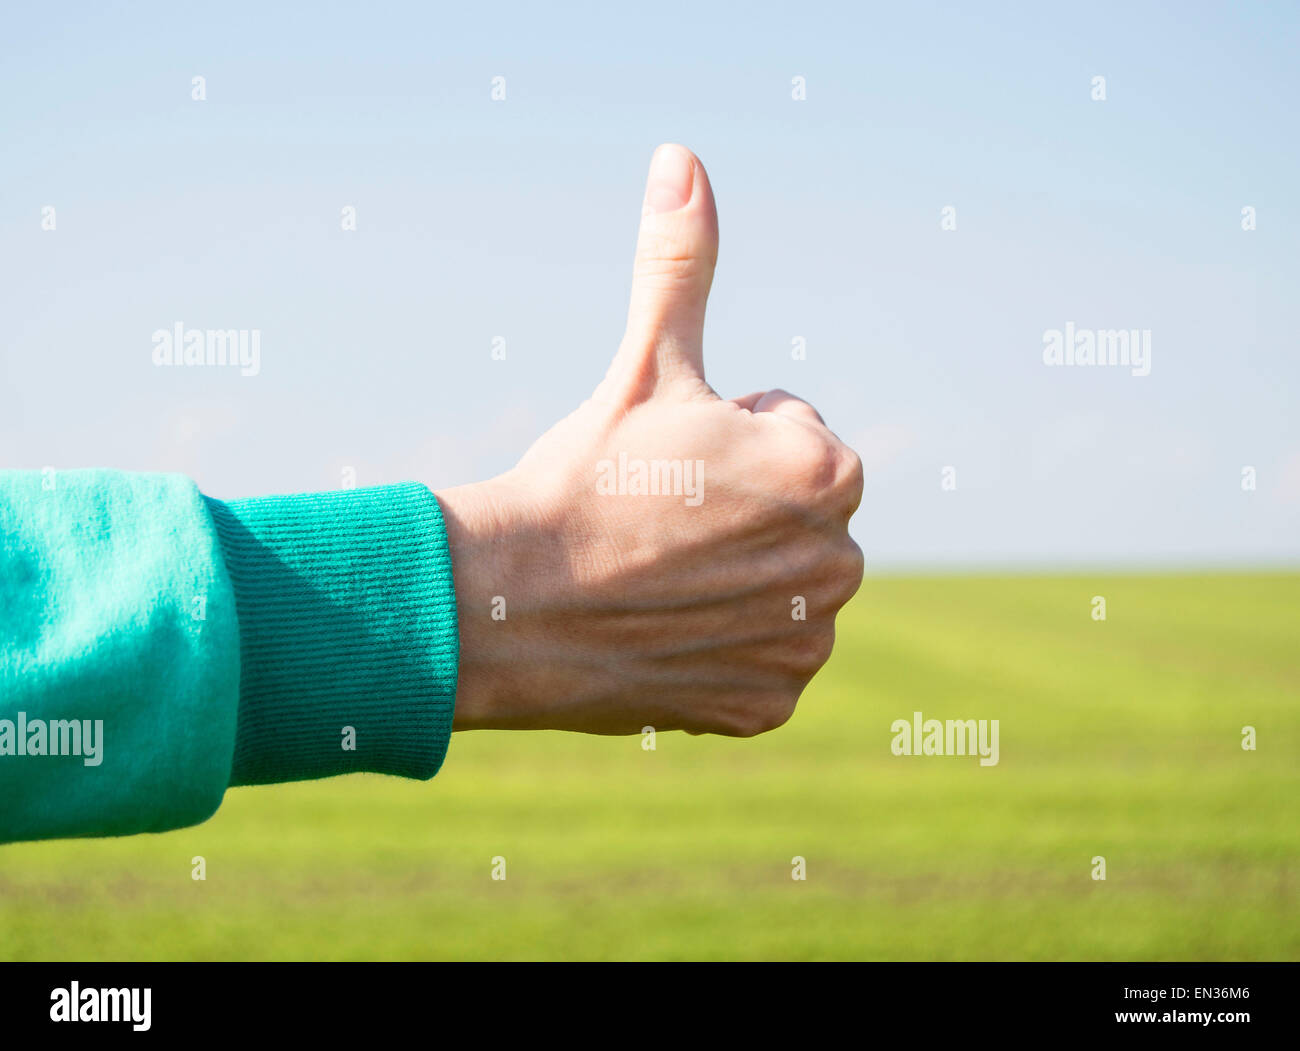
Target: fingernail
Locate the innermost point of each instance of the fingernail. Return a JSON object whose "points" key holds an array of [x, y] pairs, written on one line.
{"points": [[668, 186]]}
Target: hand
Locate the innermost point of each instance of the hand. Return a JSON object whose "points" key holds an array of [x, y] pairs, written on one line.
{"points": [[653, 550]]}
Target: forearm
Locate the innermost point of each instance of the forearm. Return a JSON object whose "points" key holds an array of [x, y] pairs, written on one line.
{"points": [[213, 644], [119, 634]]}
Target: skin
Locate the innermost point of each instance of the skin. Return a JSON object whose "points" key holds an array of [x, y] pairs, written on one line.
{"points": [[627, 611]]}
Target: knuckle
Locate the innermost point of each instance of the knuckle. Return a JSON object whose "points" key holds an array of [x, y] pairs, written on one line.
{"points": [[667, 271], [823, 645], [840, 572], [852, 477], [767, 716], [853, 566], [748, 727], [670, 252], [778, 714], [810, 649], [818, 465], [828, 467], [758, 714]]}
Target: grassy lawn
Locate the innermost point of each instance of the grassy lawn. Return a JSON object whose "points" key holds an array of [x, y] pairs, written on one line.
{"points": [[1119, 738]]}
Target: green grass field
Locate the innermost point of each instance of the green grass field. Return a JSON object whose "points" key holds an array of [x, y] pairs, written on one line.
{"points": [[1119, 738]]}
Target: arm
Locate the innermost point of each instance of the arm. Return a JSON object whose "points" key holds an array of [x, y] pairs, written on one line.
{"points": [[661, 557], [161, 646]]}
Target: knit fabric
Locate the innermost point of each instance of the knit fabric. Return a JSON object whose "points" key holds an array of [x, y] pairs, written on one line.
{"points": [[347, 627], [158, 646]]}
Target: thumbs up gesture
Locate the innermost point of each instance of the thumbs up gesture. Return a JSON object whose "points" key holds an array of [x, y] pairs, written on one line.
{"points": [[662, 557]]}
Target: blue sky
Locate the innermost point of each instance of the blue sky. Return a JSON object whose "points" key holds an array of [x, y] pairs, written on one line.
{"points": [[479, 219]]}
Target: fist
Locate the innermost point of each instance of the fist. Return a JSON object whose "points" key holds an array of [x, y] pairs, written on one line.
{"points": [[662, 557]]}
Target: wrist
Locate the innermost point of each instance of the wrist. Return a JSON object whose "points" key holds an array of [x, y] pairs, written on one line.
{"points": [[489, 533]]}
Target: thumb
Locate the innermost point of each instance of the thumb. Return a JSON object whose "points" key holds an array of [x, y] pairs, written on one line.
{"points": [[675, 254]]}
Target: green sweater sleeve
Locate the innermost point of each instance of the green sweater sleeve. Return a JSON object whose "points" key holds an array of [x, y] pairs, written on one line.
{"points": [[158, 646]]}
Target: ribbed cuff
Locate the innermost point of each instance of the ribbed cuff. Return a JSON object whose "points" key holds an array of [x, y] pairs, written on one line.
{"points": [[347, 627]]}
